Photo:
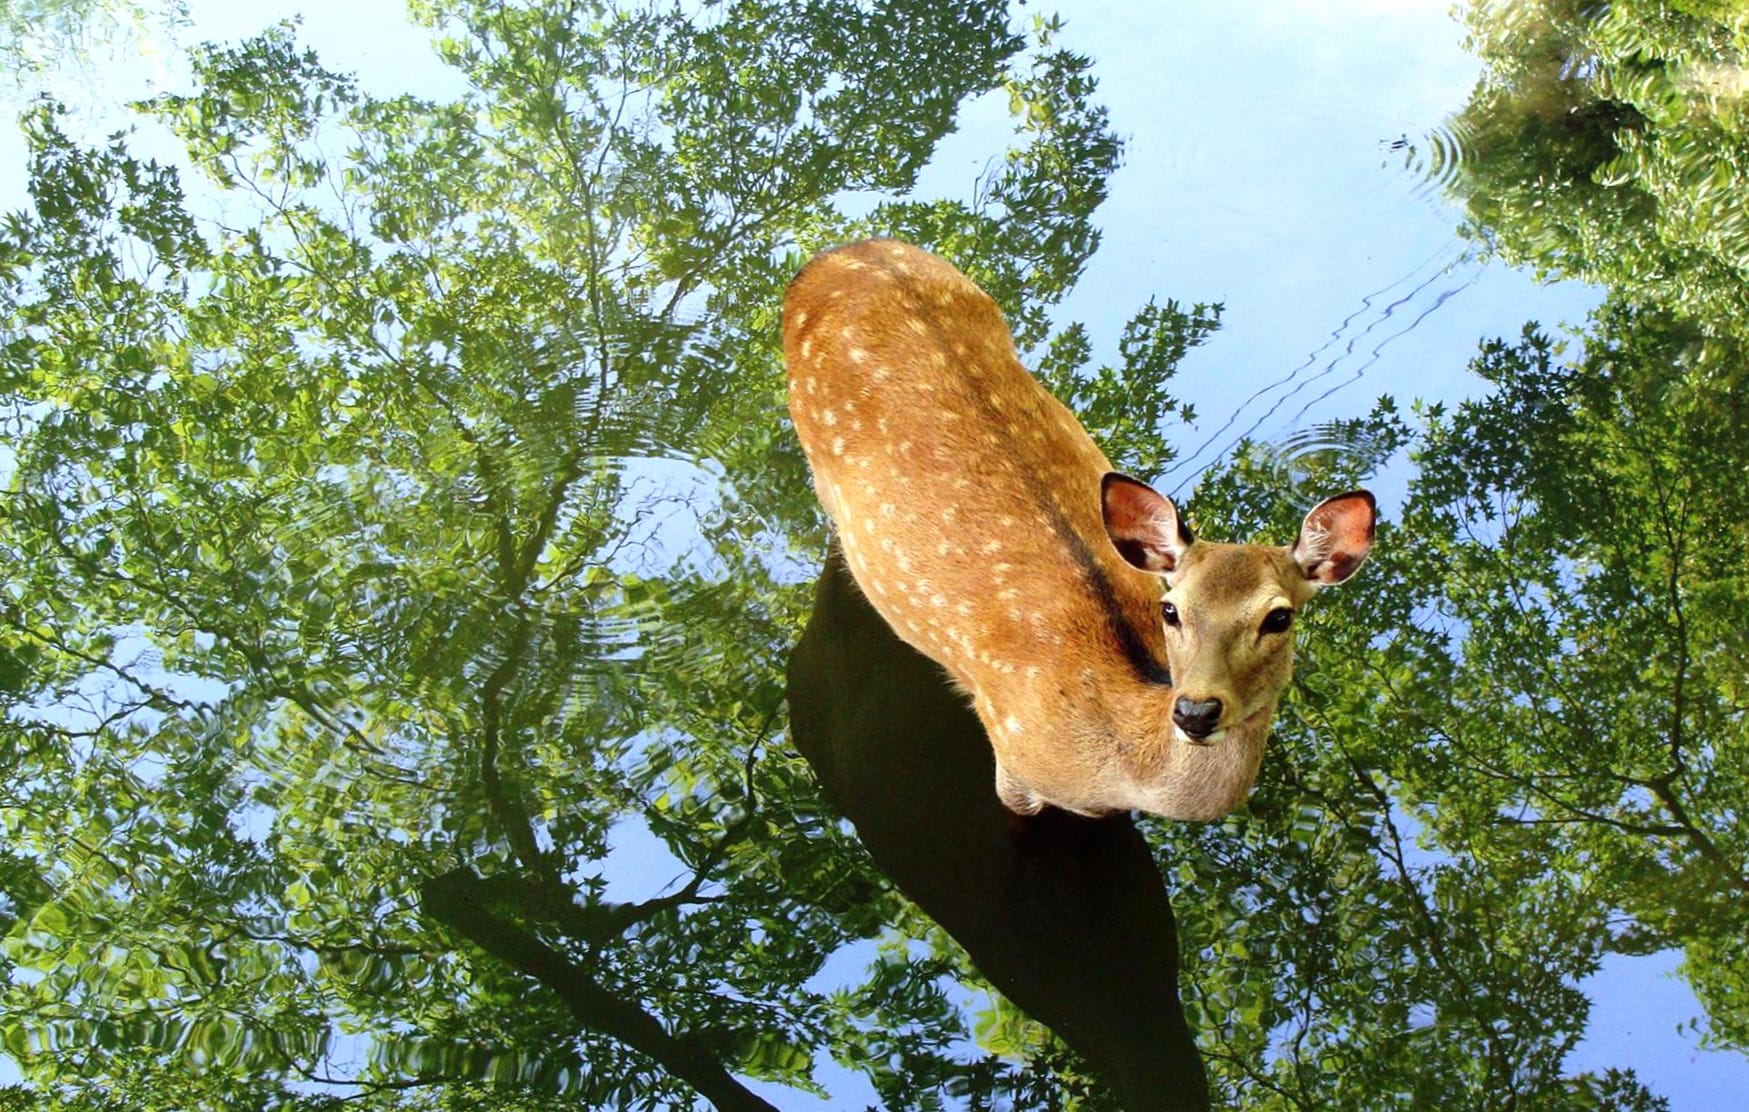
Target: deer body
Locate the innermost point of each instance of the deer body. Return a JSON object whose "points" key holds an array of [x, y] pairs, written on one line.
{"points": [[990, 532]]}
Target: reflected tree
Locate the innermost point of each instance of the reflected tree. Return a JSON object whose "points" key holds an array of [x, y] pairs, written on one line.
{"points": [[37, 35], [404, 545], [1582, 524], [1606, 142], [397, 526], [1586, 526], [1335, 956]]}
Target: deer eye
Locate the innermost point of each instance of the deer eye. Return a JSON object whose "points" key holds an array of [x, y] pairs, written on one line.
{"points": [[1278, 620], [1170, 613]]}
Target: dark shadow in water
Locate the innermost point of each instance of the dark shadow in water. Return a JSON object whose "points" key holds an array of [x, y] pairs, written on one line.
{"points": [[1068, 917]]}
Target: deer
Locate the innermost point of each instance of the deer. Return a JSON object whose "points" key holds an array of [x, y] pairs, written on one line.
{"points": [[1116, 662]]}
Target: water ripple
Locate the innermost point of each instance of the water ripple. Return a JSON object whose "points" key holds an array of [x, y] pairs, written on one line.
{"points": [[1299, 458], [1348, 339], [1435, 160]]}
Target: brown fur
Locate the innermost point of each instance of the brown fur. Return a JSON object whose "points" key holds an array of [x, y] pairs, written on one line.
{"points": [[968, 503]]}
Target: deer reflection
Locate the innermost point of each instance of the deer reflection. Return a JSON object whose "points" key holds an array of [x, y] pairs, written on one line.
{"points": [[1067, 916]]}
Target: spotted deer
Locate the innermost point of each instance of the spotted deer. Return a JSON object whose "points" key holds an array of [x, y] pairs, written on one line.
{"points": [[1115, 662]]}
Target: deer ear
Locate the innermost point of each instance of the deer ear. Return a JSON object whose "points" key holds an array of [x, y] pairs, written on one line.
{"points": [[1143, 525], [1335, 538]]}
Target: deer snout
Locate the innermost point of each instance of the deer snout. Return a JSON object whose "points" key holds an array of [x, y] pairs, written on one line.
{"points": [[1196, 717]]}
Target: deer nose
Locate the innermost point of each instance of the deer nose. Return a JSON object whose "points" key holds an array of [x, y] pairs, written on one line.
{"points": [[1196, 717]]}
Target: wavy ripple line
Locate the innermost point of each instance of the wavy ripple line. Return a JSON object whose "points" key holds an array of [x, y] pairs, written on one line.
{"points": [[1293, 377], [1373, 356]]}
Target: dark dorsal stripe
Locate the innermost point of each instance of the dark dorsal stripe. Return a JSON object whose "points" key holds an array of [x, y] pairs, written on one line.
{"points": [[1129, 642]]}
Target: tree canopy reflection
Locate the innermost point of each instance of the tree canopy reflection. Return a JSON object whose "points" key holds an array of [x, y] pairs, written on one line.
{"points": [[402, 517], [1603, 614]]}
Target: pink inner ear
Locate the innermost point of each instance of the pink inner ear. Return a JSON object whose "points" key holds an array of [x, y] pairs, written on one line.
{"points": [[1142, 524], [1336, 537], [1339, 565]]}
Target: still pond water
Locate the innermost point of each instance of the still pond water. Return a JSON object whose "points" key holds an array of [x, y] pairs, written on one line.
{"points": [[406, 545]]}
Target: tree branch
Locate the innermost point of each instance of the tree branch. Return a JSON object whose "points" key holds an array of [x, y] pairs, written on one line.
{"points": [[458, 899]]}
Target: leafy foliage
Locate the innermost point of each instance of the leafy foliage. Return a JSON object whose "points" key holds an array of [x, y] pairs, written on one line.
{"points": [[36, 35], [348, 633], [1607, 142], [1581, 525], [404, 542]]}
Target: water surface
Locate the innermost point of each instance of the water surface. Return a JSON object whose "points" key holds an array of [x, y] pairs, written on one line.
{"points": [[406, 542]]}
